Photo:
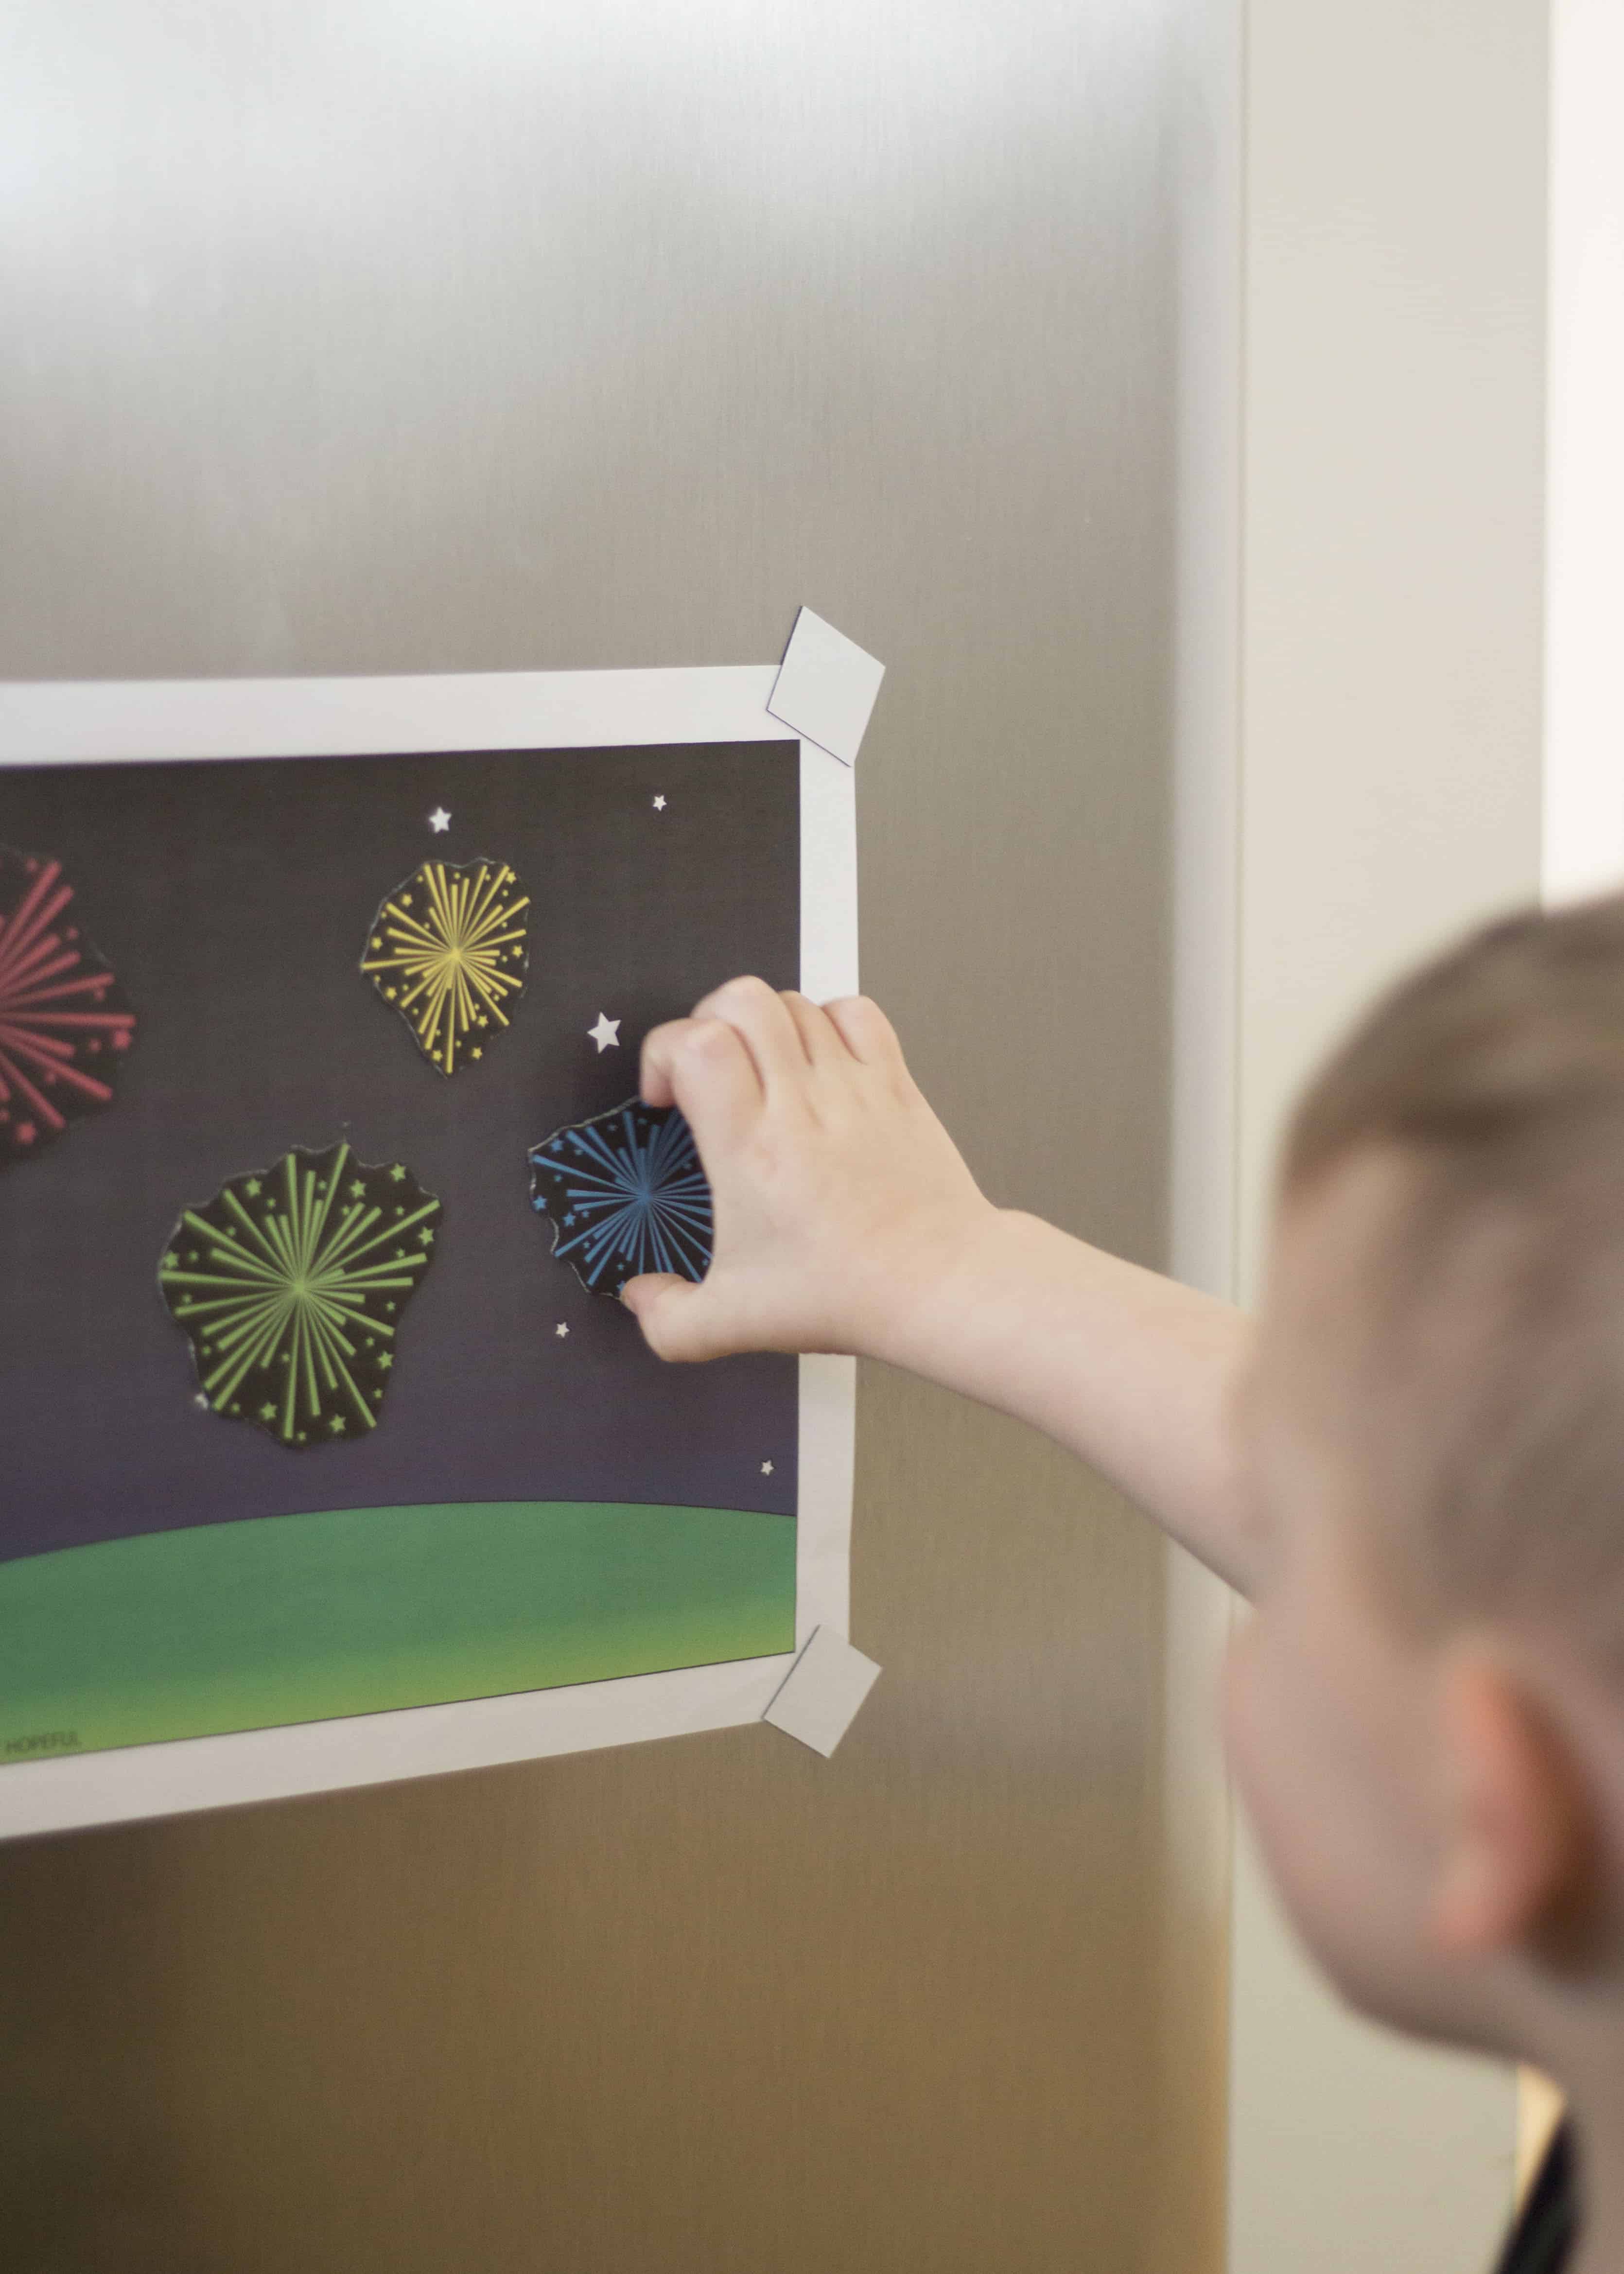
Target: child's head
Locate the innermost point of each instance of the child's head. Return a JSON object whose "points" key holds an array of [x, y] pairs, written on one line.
{"points": [[1427, 1712]]}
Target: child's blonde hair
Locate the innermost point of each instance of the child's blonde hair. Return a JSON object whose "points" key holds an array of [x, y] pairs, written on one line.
{"points": [[1496, 1075]]}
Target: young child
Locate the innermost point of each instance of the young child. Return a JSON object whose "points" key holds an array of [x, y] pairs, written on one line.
{"points": [[1413, 1463]]}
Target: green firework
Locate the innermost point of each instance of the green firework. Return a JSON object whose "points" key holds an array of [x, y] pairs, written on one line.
{"points": [[290, 1284]]}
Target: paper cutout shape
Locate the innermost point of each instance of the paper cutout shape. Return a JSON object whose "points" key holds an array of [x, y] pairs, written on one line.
{"points": [[625, 1193], [290, 1284], [64, 1021], [446, 948]]}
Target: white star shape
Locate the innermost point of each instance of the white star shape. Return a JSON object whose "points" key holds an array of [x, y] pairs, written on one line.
{"points": [[440, 821], [659, 805], [563, 1329], [606, 1033], [766, 1468]]}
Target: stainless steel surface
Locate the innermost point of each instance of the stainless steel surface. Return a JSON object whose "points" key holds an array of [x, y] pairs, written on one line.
{"points": [[394, 338]]}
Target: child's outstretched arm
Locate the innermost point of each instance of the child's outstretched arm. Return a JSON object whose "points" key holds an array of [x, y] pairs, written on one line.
{"points": [[846, 1220]]}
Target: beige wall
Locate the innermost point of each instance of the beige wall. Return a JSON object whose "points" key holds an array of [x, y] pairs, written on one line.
{"points": [[1390, 645]]}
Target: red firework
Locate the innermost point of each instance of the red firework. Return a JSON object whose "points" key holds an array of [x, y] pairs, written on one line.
{"points": [[63, 1020]]}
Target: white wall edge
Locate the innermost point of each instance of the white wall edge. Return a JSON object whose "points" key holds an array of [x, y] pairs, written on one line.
{"points": [[1584, 468], [1202, 1167]]}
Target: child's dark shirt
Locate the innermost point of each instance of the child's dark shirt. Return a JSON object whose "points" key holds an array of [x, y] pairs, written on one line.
{"points": [[1543, 2238]]}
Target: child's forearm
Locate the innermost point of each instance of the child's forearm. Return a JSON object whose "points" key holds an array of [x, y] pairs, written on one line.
{"points": [[1128, 1369]]}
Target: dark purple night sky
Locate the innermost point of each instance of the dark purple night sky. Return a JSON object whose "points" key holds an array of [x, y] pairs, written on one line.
{"points": [[233, 901]]}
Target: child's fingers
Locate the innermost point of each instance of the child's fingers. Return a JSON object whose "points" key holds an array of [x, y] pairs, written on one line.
{"points": [[654, 1066], [819, 1040], [866, 1032], [670, 1312], [757, 1013], [702, 1066]]}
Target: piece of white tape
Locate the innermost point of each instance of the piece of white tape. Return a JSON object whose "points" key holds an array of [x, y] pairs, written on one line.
{"points": [[826, 687], [818, 1698]]}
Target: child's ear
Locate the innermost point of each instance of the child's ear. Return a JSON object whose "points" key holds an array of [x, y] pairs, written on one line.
{"points": [[1514, 1862]]}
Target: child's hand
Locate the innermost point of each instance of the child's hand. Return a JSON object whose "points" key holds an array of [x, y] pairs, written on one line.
{"points": [[838, 1196], [847, 1221]]}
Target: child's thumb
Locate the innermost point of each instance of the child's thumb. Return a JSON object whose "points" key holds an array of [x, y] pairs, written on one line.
{"points": [[665, 1307]]}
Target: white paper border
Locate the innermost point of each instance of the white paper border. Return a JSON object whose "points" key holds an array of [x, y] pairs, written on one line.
{"points": [[70, 723]]}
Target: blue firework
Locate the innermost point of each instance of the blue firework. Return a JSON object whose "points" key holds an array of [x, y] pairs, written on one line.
{"points": [[625, 1193]]}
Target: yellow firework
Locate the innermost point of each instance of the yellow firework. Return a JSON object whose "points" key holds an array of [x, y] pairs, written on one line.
{"points": [[447, 949]]}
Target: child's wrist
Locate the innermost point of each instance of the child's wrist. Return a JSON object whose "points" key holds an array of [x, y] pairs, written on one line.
{"points": [[905, 1303]]}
